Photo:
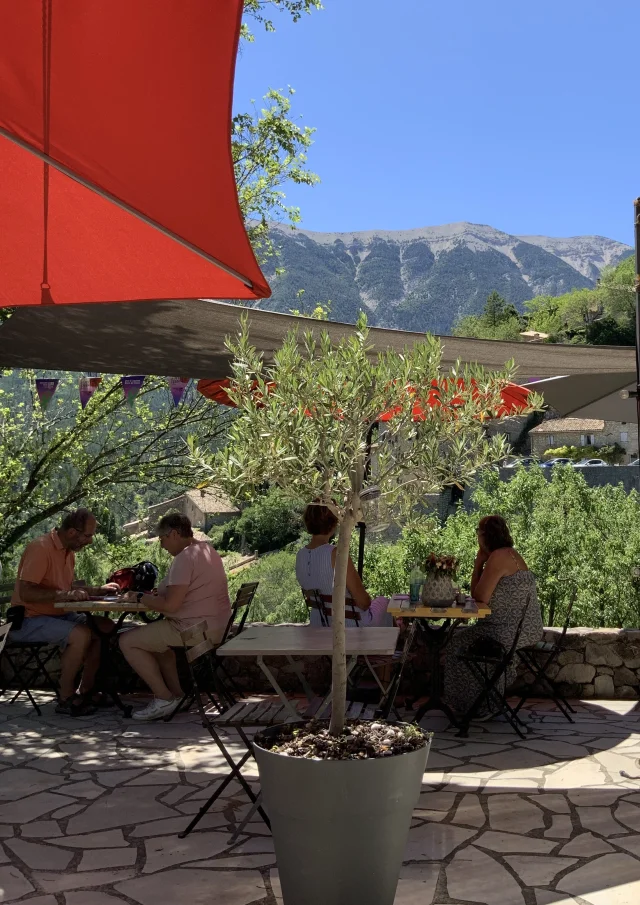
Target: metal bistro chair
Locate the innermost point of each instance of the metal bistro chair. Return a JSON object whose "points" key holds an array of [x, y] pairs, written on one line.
{"points": [[38, 655], [225, 697], [242, 716], [538, 665], [489, 666], [316, 601]]}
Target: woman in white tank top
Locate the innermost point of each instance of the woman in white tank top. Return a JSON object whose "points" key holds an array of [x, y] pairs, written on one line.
{"points": [[315, 565]]}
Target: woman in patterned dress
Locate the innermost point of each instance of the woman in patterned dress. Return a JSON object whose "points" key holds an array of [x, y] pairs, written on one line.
{"points": [[502, 581]]}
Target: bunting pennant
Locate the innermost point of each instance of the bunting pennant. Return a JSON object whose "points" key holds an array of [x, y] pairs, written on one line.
{"points": [[131, 387], [46, 387], [87, 387], [178, 386]]}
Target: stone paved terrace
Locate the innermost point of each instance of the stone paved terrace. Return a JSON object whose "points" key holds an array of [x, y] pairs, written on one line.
{"points": [[90, 810]]}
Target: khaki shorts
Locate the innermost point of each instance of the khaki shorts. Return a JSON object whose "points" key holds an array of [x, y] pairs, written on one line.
{"points": [[158, 637]]}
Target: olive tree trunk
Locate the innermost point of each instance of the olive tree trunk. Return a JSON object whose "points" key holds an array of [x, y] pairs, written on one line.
{"points": [[339, 662]]}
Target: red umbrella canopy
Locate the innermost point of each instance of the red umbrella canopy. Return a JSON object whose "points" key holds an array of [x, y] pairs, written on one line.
{"points": [[117, 176], [514, 398]]}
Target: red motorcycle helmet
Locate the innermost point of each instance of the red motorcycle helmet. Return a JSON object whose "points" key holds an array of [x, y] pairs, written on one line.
{"points": [[141, 577]]}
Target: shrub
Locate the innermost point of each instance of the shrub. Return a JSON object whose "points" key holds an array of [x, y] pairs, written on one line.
{"points": [[270, 523], [278, 598]]}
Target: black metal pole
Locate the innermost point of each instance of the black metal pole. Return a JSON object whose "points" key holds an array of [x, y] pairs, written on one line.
{"points": [[636, 210]]}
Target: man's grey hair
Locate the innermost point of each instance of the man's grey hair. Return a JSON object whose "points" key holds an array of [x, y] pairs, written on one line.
{"points": [[77, 519], [174, 521]]}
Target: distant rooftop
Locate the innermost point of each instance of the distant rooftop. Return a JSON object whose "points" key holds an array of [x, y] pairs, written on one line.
{"points": [[568, 425]]}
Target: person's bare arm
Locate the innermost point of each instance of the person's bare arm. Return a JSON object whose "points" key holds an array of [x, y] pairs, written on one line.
{"points": [[167, 603], [478, 568], [37, 593], [494, 570]]}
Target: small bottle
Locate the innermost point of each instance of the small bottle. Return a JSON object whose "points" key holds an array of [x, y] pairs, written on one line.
{"points": [[416, 580]]}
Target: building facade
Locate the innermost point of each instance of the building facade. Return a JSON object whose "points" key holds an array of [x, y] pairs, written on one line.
{"points": [[558, 432]]}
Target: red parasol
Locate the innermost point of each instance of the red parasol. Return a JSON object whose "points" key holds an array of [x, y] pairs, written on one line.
{"points": [[117, 176], [514, 398]]}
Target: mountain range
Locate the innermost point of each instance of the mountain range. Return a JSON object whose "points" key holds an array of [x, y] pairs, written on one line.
{"points": [[426, 279]]}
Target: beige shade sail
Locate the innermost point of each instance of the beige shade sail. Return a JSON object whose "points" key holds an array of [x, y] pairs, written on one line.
{"points": [[591, 395], [187, 337]]}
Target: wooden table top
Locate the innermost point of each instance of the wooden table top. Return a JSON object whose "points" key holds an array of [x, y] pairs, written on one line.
{"points": [[307, 640], [100, 606], [427, 612]]}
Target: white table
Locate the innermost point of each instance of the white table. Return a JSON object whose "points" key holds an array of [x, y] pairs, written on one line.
{"points": [[306, 641]]}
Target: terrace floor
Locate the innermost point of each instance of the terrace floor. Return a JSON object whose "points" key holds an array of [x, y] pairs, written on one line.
{"points": [[90, 810]]}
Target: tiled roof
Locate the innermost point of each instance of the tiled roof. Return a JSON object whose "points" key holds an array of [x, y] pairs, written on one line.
{"points": [[568, 425], [211, 501]]}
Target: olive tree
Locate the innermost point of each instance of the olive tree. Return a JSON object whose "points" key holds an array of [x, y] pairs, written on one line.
{"points": [[307, 423]]}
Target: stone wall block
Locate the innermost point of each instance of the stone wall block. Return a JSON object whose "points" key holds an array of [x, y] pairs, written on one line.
{"points": [[627, 692], [602, 655], [579, 673], [604, 687], [604, 671], [588, 691], [624, 676], [574, 656]]}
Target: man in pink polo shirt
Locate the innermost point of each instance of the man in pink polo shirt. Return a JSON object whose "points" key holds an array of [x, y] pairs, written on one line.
{"points": [[194, 590]]}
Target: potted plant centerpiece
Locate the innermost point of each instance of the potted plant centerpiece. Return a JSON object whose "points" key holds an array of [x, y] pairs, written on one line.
{"points": [[340, 797], [440, 572]]}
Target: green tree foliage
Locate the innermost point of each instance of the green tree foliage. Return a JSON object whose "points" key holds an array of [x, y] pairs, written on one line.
{"points": [[97, 456], [304, 425], [613, 454], [569, 533], [271, 522], [278, 598], [96, 563], [499, 320], [269, 148]]}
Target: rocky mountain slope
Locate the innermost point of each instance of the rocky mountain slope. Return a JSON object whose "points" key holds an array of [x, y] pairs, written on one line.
{"points": [[425, 279]]}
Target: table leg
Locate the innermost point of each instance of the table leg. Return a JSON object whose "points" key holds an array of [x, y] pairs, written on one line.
{"points": [[299, 671], [274, 684], [388, 701], [437, 639], [106, 671]]}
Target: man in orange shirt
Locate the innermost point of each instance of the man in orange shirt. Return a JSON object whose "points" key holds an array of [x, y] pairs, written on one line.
{"points": [[45, 576]]}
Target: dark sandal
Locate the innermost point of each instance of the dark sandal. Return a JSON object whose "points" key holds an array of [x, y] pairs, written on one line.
{"points": [[75, 706]]}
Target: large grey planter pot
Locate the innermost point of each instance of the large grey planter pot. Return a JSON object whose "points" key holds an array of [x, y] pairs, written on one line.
{"points": [[340, 827]]}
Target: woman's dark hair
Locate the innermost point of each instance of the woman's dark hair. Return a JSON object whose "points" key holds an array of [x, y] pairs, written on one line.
{"points": [[495, 532], [319, 519], [175, 522]]}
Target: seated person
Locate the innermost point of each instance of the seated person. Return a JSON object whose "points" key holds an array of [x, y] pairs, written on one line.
{"points": [[502, 581], [314, 570], [194, 590], [46, 575]]}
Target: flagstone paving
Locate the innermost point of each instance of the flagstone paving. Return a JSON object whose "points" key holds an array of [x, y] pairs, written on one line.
{"points": [[90, 811]]}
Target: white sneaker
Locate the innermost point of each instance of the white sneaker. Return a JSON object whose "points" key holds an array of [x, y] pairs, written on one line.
{"points": [[156, 710]]}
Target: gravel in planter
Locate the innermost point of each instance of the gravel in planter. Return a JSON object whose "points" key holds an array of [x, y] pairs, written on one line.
{"points": [[358, 741]]}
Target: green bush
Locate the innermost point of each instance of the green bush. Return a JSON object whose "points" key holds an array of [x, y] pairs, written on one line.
{"points": [[613, 454], [270, 523], [278, 598], [569, 534]]}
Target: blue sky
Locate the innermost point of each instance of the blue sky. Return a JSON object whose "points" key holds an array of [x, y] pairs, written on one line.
{"points": [[518, 115]]}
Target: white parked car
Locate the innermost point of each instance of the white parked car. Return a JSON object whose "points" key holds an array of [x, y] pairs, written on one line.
{"points": [[590, 463], [558, 460], [635, 462]]}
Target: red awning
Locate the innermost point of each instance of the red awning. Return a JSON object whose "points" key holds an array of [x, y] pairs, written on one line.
{"points": [[515, 398], [133, 99]]}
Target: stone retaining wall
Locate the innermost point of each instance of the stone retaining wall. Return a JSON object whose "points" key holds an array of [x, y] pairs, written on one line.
{"points": [[594, 663]]}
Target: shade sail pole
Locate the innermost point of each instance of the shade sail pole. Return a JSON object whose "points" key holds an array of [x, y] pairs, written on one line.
{"points": [[636, 210], [125, 207]]}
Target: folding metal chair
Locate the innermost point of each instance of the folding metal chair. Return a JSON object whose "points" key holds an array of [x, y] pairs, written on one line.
{"points": [[240, 606], [27, 671], [538, 657], [321, 604], [489, 668], [240, 717]]}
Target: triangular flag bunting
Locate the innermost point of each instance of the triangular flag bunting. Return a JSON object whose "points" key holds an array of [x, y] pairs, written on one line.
{"points": [[131, 387], [178, 386], [87, 387], [45, 388]]}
